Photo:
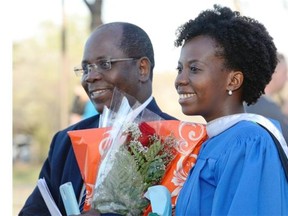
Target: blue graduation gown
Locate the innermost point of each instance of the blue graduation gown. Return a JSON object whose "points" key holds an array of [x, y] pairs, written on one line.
{"points": [[238, 172]]}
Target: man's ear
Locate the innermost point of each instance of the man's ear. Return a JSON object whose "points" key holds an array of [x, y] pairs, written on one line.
{"points": [[235, 80], [144, 69]]}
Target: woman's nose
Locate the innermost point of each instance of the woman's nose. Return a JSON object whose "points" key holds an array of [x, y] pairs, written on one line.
{"points": [[181, 79]]}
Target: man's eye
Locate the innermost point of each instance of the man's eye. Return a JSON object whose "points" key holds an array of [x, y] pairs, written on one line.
{"points": [[194, 69], [85, 69], [179, 69], [105, 65]]}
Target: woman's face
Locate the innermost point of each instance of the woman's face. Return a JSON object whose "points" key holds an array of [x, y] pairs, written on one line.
{"points": [[202, 81]]}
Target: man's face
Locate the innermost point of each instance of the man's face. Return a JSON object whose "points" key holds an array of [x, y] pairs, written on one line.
{"points": [[99, 83]]}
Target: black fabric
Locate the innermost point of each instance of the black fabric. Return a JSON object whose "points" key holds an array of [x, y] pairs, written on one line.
{"points": [[282, 155], [270, 109]]}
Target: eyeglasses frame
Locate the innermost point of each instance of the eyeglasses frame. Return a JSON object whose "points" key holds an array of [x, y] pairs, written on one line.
{"points": [[79, 71]]}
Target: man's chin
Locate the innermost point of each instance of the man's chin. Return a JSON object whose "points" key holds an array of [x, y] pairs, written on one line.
{"points": [[100, 107]]}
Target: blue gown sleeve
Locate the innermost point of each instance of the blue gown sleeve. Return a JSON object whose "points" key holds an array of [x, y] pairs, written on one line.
{"points": [[250, 178]]}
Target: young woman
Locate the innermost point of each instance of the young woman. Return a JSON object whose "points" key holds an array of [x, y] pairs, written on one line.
{"points": [[227, 59]]}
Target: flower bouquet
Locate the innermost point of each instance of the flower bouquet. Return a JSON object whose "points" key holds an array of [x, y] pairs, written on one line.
{"points": [[139, 160], [135, 150]]}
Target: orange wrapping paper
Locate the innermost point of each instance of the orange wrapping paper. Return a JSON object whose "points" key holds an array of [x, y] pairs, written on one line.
{"points": [[90, 144], [86, 145]]}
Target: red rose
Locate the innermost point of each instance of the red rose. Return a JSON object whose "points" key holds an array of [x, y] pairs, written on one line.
{"points": [[147, 131]]}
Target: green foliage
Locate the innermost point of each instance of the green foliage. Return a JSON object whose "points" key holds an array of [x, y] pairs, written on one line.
{"points": [[153, 150], [139, 159], [121, 181]]}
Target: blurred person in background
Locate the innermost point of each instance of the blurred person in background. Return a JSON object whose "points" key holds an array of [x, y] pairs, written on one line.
{"points": [[285, 107], [82, 107], [266, 105]]}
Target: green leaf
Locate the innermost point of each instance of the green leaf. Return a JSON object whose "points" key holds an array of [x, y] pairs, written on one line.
{"points": [[123, 188]]}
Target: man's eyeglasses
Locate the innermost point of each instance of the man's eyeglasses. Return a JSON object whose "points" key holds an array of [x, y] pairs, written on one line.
{"points": [[100, 66]]}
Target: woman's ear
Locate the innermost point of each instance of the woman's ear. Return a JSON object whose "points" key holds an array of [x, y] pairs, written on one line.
{"points": [[144, 69], [235, 80]]}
